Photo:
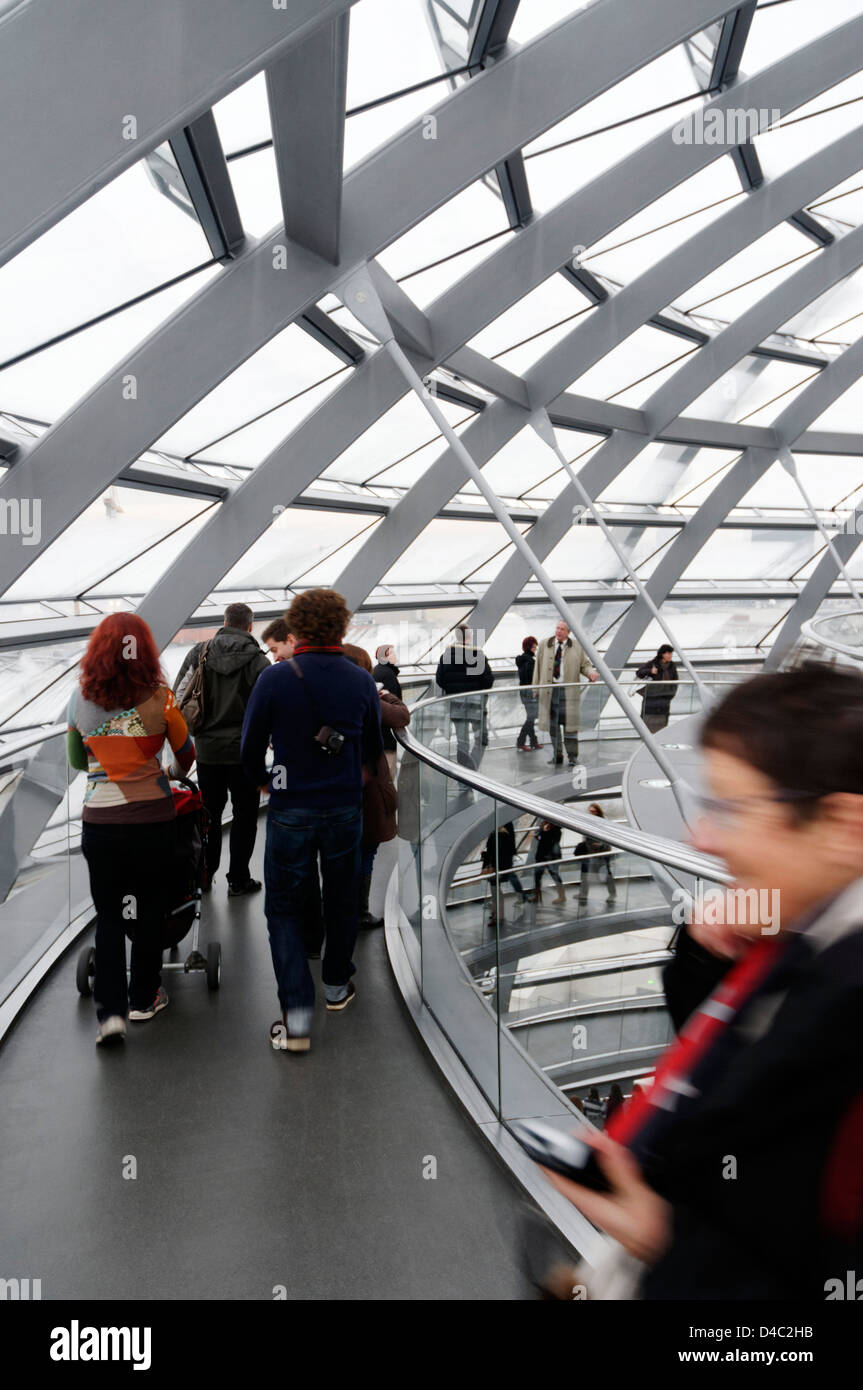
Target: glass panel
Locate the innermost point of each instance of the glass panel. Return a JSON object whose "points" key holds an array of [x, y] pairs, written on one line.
{"points": [[471, 216], [828, 479], [36, 902], [449, 550], [636, 368], [664, 473], [775, 32], [757, 390], [125, 239], [810, 128], [554, 176], [635, 245], [544, 316], [743, 279], [291, 368], [123, 522], [301, 544], [406, 429], [584, 551], [753, 553]]}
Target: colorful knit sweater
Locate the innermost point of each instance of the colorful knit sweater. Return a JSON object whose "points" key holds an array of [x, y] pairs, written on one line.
{"points": [[119, 750]]}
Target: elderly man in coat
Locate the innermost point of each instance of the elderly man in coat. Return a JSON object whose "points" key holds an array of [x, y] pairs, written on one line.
{"points": [[560, 665]]}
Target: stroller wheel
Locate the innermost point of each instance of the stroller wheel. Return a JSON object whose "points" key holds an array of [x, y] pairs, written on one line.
{"points": [[85, 970], [214, 965]]}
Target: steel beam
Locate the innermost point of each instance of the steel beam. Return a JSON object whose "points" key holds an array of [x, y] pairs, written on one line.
{"points": [[306, 94], [72, 122], [593, 337], [268, 287], [805, 285], [811, 402], [816, 590]]}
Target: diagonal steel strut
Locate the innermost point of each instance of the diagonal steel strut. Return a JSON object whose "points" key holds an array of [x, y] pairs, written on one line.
{"points": [[359, 293]]}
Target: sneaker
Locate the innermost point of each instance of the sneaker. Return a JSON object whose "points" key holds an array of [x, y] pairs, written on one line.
{"points": [[238, 890], [283, 1040], [111, 1030], [337, 1005], [160, 1002], [523, 747]]}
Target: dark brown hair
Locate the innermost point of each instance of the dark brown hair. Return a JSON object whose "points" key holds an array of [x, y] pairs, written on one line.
{"points": [[276, 631], [319, 616], [239, 615], [803, 729]]}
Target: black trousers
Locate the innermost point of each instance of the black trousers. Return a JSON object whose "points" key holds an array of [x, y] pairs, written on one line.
{"points": [[217, 781], [130, 869]]}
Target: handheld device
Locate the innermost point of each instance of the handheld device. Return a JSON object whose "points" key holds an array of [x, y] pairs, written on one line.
{"points": [[563, 1153]]}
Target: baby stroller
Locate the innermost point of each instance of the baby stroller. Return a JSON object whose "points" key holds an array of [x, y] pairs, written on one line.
{"points": [[186, 881]]}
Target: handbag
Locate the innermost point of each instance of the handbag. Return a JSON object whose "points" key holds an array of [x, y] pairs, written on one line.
{"points": [[190, 695]]}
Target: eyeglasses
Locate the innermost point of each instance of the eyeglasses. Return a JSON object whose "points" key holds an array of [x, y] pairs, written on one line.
{"points": [[725, 811]]}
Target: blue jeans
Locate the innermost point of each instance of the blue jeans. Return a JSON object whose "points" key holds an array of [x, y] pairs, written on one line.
{"points": [[295, 839]]}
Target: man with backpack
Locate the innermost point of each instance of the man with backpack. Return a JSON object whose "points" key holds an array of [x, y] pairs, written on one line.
{"points": [[213, 688]]}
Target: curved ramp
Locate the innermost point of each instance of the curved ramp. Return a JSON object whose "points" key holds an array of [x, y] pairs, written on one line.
{"points": [[255, 1169]]}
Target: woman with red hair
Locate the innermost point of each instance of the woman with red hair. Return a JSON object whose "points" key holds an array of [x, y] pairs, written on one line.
{"points": [[119, 718]]}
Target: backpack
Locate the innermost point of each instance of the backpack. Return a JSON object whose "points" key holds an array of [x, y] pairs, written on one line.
{"points": [[190, 694]]}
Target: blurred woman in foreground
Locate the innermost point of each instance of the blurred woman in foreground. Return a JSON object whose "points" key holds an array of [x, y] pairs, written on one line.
{"points": [[739, 1174]]}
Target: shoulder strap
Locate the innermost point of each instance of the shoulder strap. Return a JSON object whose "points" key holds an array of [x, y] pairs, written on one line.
{"points": [[298, 671], [202, 654]]}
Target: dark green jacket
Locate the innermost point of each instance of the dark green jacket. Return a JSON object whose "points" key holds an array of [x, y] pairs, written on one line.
{"points": [[234, 662]]}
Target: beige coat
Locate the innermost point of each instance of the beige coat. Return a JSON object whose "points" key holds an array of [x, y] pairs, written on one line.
{"points": [[574, 665]]}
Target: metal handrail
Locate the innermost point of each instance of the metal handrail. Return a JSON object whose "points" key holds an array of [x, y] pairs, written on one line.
{"points": [[583, 686], [654, 847]]}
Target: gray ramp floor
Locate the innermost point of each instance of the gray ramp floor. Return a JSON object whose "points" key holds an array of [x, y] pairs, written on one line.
{"points": [[255, 1169]]}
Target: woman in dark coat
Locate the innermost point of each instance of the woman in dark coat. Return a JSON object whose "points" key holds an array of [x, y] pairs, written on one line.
{"points": [[497, 861], [589, 850], [661, 688], [386, 673], [380, 799], [525, 662]]}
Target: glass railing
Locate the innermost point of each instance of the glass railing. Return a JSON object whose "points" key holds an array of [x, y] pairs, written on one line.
{"points": [[541, 994], [484, 729], [45, 890]]}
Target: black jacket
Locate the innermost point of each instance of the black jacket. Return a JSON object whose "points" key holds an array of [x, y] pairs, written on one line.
{"points": [[234, 662], [505, 856], [780, 1094], [387, 675], [660, 689], [690, 975], [525, 662], [548, 843], [463, 670]]}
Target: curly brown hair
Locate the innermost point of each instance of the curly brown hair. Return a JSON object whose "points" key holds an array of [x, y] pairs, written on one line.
{"points": [[319, 616]]}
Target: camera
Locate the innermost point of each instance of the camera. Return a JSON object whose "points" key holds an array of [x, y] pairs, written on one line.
{"points": [[330, 740]]}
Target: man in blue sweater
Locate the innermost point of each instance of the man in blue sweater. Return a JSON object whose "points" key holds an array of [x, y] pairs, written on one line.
{"points": [[322, 715]]}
